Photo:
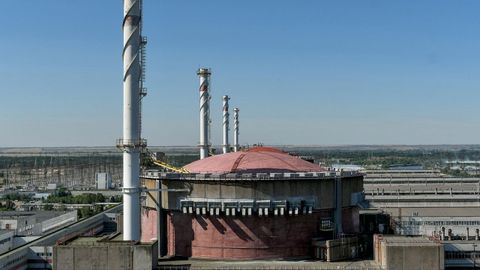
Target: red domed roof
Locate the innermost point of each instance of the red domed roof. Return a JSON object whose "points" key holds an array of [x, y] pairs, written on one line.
{"points": [[258, 159]]}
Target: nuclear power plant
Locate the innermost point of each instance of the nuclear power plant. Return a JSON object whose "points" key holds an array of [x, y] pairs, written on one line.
{"points": [[252, 203], [246, 203]]}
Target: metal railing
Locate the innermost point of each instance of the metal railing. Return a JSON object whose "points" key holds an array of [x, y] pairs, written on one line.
{"points": [[126, 143], [247, 176]]}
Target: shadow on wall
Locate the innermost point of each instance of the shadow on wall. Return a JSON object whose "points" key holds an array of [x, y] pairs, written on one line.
{"points": [[245, 237]]}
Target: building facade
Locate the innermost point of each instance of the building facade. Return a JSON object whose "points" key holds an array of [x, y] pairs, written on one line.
{"points": [[271, 206]]}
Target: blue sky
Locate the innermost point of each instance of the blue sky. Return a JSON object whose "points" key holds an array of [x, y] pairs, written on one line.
{"points": [[301, 72]]}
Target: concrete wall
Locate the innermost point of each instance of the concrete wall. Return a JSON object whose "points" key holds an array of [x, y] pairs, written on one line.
{"points": [[105, 257], [407, 253], [342, 249], [22, 224], [321, 191], [252, 237], [413, 257]]}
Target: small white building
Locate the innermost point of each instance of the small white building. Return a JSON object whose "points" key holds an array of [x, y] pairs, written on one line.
{"points": [[52, 186], [103, 180]]}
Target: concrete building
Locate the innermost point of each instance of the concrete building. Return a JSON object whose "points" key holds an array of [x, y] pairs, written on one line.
{"points": [[37, 252], [52, 186], [462, 254], [104, 253], [444, 223], [35, 222], [430, 204], [103, 181], [426, 188], [20, 222], [255, 204], [408, 253], [6, 240]]}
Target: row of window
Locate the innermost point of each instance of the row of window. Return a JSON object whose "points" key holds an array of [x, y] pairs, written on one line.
{"points": [[42, 254], [13, 261], [461, 255], [6, 240], [441, 223]]}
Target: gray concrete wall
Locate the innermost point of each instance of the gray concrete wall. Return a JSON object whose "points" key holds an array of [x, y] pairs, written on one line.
{"points": [[413, 258], [106, 256], [322, 191], [342, 249], [405, 253]]}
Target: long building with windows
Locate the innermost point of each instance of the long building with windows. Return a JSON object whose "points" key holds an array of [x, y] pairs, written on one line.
{"points": [[431, 204]]}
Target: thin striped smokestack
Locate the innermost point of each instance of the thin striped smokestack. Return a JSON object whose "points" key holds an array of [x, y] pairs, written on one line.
{"points": [[236, 146], [204, 75], [226, 128]]}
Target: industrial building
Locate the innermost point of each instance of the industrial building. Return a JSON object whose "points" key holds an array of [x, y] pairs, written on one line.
{"points": [[37, 252], [403, 253], [103, 181], [6, 240], [103, 253], [249, 204], [420, 188], [35, 222], [430, 204], [259, 203]]}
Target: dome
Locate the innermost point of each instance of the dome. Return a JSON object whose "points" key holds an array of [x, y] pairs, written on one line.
{"points": [[254, 160]]}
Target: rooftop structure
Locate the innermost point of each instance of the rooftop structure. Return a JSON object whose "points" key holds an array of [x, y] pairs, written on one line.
{"points": [[259, 159], [427, 188], [109, 252], [35, 222], [430, 204], [402, 253]]}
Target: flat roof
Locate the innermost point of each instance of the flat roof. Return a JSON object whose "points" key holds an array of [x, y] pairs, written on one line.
{"points": [[434, 211], [115, 239], [397, 240], [39, 215]]}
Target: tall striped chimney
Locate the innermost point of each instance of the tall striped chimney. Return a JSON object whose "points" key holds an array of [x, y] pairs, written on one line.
{"points": [[226, 116], [204, 75], [236, 146], [131, 143]]}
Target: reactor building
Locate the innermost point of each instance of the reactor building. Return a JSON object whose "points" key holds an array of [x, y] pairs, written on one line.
{"points": [[254, 204]]}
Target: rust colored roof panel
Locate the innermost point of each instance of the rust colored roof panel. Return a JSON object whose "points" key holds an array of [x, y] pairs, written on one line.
{"points": [[259, 159]]}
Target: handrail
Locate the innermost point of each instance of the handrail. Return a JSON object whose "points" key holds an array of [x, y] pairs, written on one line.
{"points": [[169, 167]]}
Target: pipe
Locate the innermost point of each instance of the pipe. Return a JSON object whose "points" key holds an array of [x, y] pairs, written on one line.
{"points": [[204, 74], [131, 143], [226, 116], [338, 206], [236, 146], [160, 226]]}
